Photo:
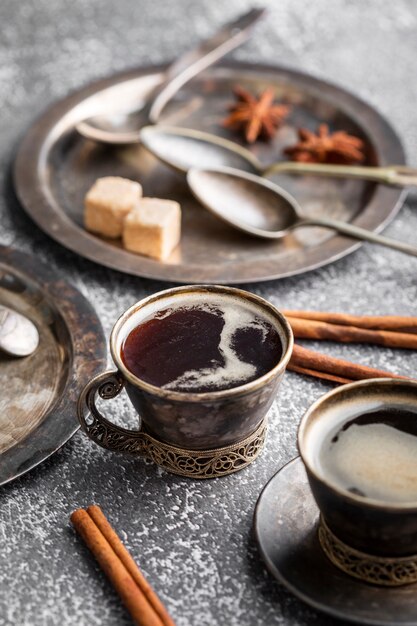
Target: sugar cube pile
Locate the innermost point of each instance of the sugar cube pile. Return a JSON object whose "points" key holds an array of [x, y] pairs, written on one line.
{"points": [[115, 207]]}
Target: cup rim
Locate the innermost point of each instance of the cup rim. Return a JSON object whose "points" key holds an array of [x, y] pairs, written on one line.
{"points": [[184, 396], [363, 501]]}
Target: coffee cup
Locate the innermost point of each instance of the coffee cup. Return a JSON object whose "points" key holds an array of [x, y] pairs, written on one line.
{"points": [[192, 433], [359, 447]]}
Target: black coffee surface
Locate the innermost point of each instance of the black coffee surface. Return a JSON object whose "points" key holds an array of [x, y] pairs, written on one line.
{"points": [[198, 348], [374, 455]]}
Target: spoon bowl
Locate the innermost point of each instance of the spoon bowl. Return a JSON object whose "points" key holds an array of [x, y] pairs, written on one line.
{"points": [[114, 128], [237, 198], [260, 208], [18, 335], [185, 148]]}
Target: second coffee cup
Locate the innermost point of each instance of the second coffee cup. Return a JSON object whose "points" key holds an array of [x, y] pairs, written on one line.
{"points": [[359, 446]]}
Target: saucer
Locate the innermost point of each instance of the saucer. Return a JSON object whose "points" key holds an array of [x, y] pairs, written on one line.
{"points": [[286, 521]]}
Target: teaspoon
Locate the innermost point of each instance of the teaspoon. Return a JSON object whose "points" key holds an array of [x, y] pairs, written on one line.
{"points": [[123, 127], [261, 208], [18, 335], [184, 148]]}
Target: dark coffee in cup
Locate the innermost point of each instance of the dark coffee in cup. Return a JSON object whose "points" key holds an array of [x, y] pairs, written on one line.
{"points": [[205, 344], [373, 455]]}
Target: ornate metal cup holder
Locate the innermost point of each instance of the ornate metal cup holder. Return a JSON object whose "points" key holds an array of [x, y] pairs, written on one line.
{"points": [[389, 572], [184, 462]]}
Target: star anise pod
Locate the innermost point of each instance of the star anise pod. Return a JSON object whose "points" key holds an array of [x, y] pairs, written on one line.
{"points": [[325, 147], [256, 117]]}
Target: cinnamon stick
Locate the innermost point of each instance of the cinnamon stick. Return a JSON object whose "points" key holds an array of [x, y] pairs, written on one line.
{"points": [[126, 558], [316, 374], [309, 359], [130, 593], [312, 329], [396, 323]]}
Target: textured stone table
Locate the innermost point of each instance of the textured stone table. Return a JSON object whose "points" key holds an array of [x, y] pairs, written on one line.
{"points": [[192, 539]]}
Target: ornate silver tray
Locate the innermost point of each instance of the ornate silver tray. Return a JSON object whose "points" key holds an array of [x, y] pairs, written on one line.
{"points": [[55, 167]]}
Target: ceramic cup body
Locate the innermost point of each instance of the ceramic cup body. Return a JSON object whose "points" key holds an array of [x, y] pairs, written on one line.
{"points": [[370, 526], [200, 420], [194, 421], [207, 424]]}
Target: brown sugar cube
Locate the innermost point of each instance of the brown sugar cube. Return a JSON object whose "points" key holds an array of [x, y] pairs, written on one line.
{"points": [[153, 228], [108, 202]]}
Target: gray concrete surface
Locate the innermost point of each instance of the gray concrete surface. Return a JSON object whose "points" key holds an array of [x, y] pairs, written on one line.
{"points": [[192, 539]]}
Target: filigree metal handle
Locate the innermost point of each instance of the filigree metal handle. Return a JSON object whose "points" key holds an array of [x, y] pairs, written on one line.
{"points": [[107, 435]]}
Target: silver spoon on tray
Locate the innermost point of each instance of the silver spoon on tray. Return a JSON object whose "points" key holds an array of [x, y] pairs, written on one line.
{"points": [[261, 208], [123, 127], [184, 148], [18, 335]]}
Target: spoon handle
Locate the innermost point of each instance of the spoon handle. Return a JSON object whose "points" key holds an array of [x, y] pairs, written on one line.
{"points": [[400, 175], [198, 59], [359, 233]]}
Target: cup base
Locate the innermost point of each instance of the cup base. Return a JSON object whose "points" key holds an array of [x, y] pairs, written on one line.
{"points": [[386, 571], [206, 463]]}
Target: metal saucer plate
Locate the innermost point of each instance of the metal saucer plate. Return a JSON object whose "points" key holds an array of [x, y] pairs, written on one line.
{"points": [[39, 393], [55, 167], [286, 518]]}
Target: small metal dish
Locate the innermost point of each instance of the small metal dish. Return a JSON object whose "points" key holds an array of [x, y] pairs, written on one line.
{"points": [[40, 391]]}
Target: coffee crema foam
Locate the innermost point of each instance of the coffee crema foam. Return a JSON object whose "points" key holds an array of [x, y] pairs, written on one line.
{"points": [[376, 460], [234, 371], [206, 344]]}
